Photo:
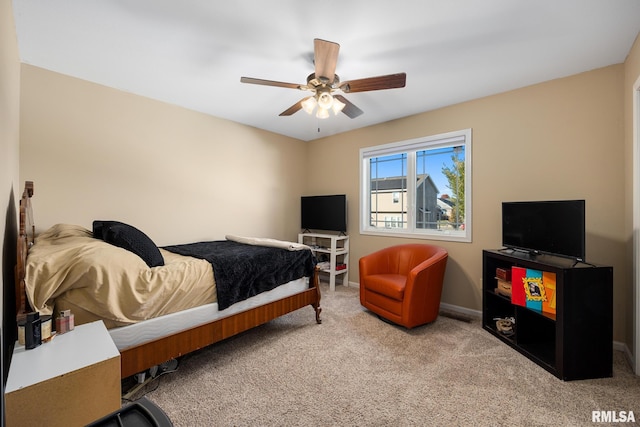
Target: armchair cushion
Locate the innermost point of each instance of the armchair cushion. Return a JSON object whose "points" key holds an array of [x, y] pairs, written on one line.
{"points": [[389, 285], [403, 283]]}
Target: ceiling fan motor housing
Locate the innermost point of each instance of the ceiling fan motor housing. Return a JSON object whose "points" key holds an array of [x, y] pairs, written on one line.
{"points": [[314, 82]]}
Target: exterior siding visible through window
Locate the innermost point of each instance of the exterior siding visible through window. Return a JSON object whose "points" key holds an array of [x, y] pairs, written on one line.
{"points": [[418, 188]]}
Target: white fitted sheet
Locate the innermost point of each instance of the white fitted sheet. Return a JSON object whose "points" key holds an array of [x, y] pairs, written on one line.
{"points": [[139, 333]]}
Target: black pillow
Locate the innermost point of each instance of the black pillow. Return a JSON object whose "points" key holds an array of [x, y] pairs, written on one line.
{"points": [[130, 238]]}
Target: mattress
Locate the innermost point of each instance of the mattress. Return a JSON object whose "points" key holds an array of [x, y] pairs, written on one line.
{"points": [[139, 333]]}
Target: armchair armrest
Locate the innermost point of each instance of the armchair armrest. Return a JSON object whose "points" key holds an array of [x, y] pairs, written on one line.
{"points": [[424, 283]]}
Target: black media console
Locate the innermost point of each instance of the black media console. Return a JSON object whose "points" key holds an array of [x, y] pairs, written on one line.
{"points": [[574, 343]]}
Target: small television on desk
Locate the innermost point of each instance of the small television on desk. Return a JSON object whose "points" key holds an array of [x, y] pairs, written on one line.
{"points": [[327, 213], [554, 227]]}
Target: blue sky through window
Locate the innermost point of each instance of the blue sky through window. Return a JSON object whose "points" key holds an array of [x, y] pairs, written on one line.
{"points": [[428, 161]]}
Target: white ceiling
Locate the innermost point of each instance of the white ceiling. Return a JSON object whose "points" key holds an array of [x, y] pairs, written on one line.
{"points": [[192, 53]]}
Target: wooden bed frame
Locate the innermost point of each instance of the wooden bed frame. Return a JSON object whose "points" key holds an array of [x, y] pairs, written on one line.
{"points": [[144, 356]]}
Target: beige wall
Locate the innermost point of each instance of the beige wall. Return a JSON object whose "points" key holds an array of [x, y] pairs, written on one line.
{"points": [[562, 139], [9, 145], [180, 176], [631, 76]]}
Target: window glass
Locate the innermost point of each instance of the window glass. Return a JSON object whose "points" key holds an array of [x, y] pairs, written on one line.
{"points": [[418, 188]]}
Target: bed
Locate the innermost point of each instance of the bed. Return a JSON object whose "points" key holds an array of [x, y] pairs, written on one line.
{"points": [[163, 304]]}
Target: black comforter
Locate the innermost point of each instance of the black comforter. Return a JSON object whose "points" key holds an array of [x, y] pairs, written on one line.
{"points": [[242, 271]]}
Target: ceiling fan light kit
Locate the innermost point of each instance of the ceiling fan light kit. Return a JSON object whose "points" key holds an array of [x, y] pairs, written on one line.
{"points": [[309, 104], [324, 82], [325, 102], [322, 113], [337, 106]]}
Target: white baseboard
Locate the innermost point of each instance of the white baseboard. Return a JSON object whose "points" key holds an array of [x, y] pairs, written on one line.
{"points": [[620, 346], [624, 348], [476, 314]]}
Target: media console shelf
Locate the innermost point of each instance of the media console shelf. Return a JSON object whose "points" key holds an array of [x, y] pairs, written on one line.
{"points": [[574, 343], [333, 246]]}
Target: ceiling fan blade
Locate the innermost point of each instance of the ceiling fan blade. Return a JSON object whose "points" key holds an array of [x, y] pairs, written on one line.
{"points": [[390, 81], [349, 108], [325, 58], [294, 108], [269, 83]]}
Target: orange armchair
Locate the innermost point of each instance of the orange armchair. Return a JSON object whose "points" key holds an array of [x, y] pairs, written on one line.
{"points": [[403, 283]]}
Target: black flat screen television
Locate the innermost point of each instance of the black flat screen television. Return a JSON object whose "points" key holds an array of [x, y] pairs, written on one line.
{"points": [[554, 227], [328, 213]]}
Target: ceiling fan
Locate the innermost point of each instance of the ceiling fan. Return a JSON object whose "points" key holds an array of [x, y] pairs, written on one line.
{"points": [[324, 82]]}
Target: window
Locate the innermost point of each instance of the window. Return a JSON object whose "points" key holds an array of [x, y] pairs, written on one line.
{"points": [[418, 188]]}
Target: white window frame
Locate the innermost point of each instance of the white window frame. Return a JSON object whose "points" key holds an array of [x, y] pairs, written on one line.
{"points": [[449, 139]]}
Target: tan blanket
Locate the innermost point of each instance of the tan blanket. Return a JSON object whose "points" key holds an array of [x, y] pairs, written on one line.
{"points": [[110, 283]]}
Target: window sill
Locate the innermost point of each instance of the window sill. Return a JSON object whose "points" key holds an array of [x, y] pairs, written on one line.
{"points": [[443, 236]]}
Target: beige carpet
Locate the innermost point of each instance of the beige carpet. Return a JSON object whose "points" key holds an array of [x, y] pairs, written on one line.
{"points": [[355, 370]]}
